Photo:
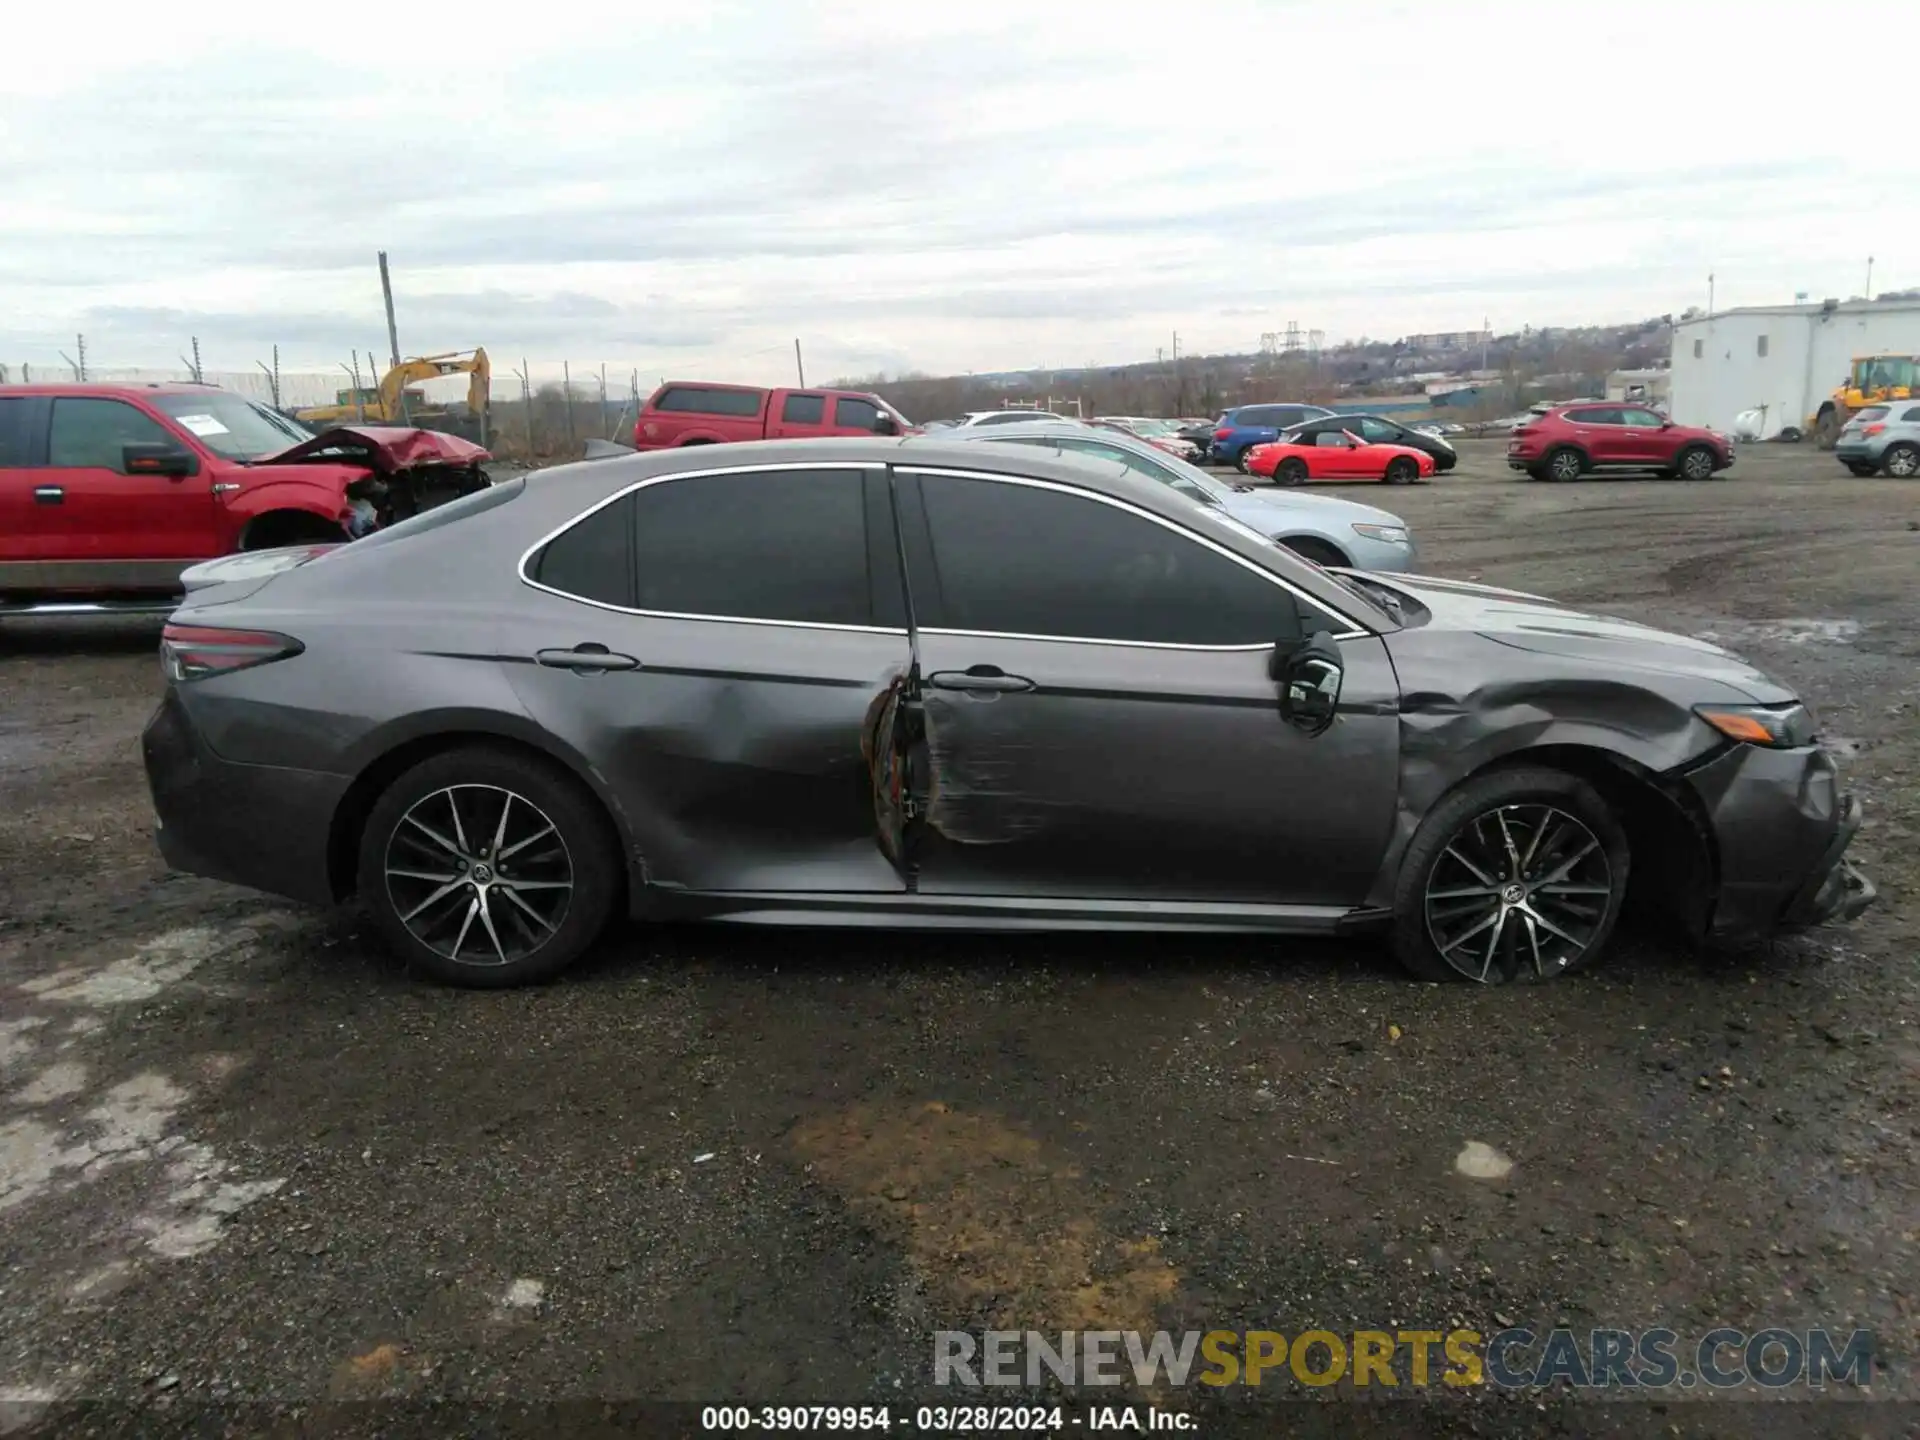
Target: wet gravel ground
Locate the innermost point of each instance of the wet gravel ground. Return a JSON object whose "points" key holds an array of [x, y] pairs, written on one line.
{"points": [[244, 1158]]}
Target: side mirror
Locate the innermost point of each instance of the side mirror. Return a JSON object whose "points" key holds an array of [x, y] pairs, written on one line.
{"points": [[1310, 676], [150, 457], [1666, 424], [884, 424]]}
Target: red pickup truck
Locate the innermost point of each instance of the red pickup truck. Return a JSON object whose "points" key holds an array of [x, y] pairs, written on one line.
{"points": [[694, 412], [108, 492]]}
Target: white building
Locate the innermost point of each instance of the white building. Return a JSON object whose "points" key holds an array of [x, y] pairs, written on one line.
{"points": [[1780, 359]]}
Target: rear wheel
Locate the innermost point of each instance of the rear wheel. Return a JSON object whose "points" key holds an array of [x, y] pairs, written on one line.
{"points": [[1320, 552], [1240, 459], [1901, 461], [488, 868], [1402, 471], [1290, 471], [1564, 464], [1695, 463], [1518, 875]]}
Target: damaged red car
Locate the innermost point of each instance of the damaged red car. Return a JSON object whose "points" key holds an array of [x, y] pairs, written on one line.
{"points": [[109, 492]]}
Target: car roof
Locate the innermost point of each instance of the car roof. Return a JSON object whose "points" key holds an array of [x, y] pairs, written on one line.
{"points": [[940, 451], [123, 387]]}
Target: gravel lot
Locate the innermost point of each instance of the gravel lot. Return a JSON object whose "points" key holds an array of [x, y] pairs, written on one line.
{"points": [[243, 1157]]}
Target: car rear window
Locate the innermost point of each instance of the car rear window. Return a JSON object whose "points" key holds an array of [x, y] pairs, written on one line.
{"points": [[700, 400], [461, 509], [15, 411], [1871, 412]]}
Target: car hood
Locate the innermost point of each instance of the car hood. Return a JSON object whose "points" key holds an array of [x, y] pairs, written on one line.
{"points": [[1545, 627], [383, 449]]}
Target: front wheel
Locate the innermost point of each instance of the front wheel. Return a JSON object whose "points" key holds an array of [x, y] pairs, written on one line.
{"points": [[1518, 875], [1696, 464], [488, 868], [1901, 461], [1307, 547]]}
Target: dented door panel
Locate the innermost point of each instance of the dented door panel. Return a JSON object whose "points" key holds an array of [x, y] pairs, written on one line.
{"points": [[1151, 773], [736, 750]]}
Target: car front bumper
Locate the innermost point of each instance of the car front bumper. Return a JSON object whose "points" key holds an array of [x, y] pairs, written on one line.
{"points": [[1781, 825], [262, 826]]}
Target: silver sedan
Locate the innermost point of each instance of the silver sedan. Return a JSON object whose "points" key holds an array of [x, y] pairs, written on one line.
{"points": [[1321, 528]]}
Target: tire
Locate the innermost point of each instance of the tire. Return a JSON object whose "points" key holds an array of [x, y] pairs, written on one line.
{"points": [[1240, 459], [1861, 468], [1290, 471], [407, 873], [1311, 547], [1826, 429], [1402, 471], [1901, 461], [1694, 463], [1564, 464], [1585, 842]]}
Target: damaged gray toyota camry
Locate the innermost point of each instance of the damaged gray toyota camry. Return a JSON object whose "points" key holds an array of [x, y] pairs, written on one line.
{"points": [[875, 682]]}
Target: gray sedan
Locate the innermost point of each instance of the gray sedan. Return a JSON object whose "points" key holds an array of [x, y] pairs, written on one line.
{"points": [[1882, 439], [1323, 528], [884, 682]]}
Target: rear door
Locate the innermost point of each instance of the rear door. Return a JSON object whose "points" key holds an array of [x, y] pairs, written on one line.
{"points": [[24, 514], [119, 528], [751, 622], [1598, 431], [797, 414], [1099, 718]]}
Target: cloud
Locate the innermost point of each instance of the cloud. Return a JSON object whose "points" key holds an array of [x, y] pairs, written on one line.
{"points": [[934, 186]]}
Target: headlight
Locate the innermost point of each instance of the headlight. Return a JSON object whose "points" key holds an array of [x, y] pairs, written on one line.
{"points": [[1386, 534], [1778, 727]]}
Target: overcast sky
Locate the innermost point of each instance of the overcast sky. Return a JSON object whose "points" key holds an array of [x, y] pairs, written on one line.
{"points": [[685, 188]]}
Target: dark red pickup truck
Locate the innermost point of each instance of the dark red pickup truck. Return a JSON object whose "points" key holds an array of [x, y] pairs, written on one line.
{"points": [[109, 492], [695, 412]]}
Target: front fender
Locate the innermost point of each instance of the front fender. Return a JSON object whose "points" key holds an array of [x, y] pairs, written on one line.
{"points": [[322, 498]]}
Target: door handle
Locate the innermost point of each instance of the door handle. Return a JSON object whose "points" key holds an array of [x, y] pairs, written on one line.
{"points": [[981, 679], [49, 495], [588, 659]]}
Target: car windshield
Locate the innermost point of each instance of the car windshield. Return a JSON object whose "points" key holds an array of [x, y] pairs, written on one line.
{"points": [[231, 427]]}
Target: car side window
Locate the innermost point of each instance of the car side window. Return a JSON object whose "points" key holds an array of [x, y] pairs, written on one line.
{"points": [[1139, 464], [1596, 415], [1331, 439], [1908, 417], [1377, 430], [16, 414], [88, 433], [788, 545], [1640, 419], [592, 558], [804, 409], [855, 413], [1017, 559]]}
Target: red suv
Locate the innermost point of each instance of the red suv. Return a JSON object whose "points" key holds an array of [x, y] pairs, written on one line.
{"points": [[696, 412], [1568, 441]]}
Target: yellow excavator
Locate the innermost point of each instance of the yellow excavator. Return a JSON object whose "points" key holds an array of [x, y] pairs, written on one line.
{"points": [[1874, 378], [394, 403]]}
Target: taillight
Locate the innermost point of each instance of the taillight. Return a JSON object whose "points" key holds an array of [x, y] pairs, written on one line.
{"points": [[193, 652], [1222, 433], [1873, 429]]}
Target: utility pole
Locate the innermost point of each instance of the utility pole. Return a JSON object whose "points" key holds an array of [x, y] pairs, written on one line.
{"points": [[1709, 297], [386, 293], [1869, 277], [798, 364], [1486, 339]]}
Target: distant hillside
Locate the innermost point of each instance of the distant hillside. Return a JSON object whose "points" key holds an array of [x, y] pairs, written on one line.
{"points": [[1525, 364]]}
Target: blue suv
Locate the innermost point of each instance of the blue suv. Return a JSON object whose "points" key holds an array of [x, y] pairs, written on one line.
{"points": [[1245, 426]]}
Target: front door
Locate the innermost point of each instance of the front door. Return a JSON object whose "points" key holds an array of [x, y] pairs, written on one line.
{"points": [[105, 521], [717, 648], [798, 415], [1099, 717]]}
